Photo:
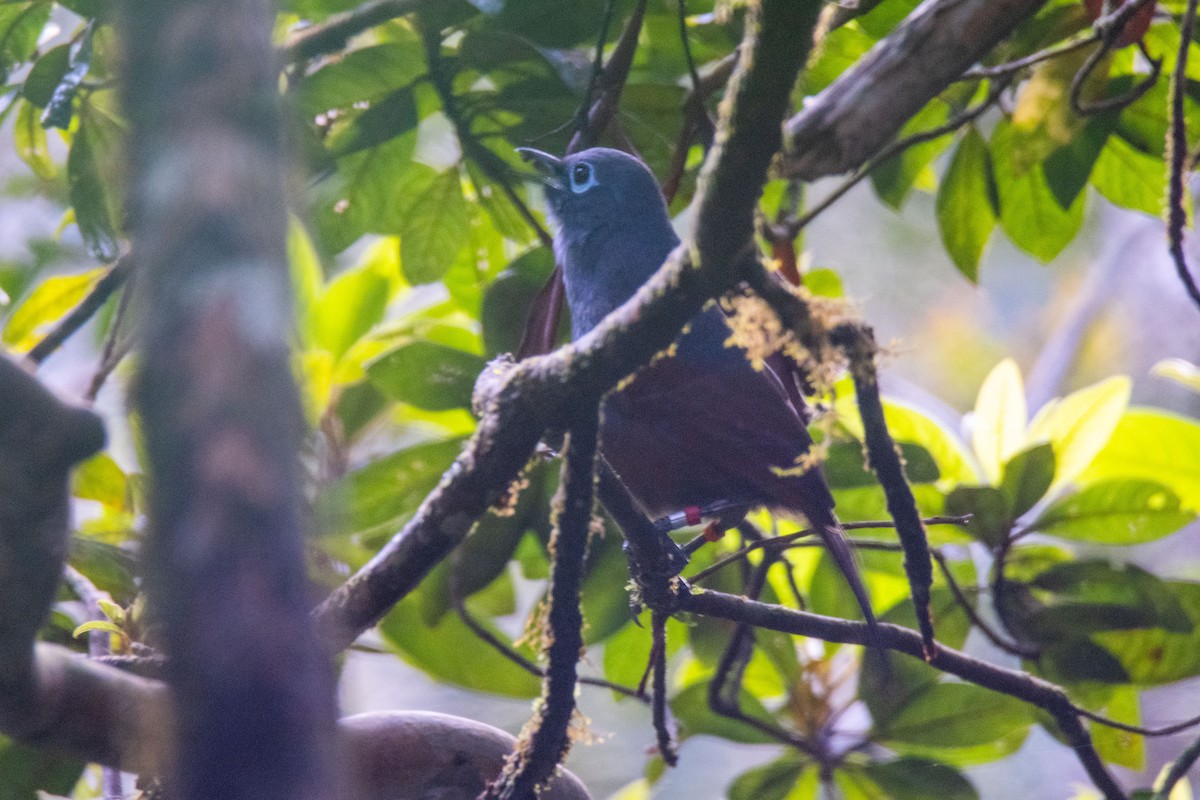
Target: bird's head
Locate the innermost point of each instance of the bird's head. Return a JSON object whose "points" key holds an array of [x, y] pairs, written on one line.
{"points": [[597, 188]]}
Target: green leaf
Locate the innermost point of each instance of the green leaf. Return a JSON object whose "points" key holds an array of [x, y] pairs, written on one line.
{"points": [[364, 75], [1115, 746], [998, 429], [1155, 656], [427, 375], [24, 771], [695, 718], [1075, 599], [431, 216], [952, 715], [845, 465], [1068, 168], [1080, 424], [21, 26], [966, 204], [29, 137], [989, 509], [508, 298], [352, 303], [1180, 371], [1029, 211], [440, 651], [1129, 178], [1077, 661], [99, 478], [773, 781], [373, 501], [51, 299], [1155, 446], [385, 120], [909, 778], [1027, 478], [98, 625], [893, 179], [91, 196], [45, 75], [909, 424], [1119, 511]]}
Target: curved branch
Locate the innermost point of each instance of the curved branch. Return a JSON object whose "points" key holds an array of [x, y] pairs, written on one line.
{"points": [[1014, 683]]}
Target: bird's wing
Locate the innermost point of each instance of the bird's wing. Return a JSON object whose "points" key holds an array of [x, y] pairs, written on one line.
{"points": [[704, 425]]}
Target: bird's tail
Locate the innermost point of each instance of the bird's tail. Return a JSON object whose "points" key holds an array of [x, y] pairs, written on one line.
{"points": [[838, 547]]}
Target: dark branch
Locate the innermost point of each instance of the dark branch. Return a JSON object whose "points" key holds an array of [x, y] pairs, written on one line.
{"points": [[77, 317], [1011, 682], [1177, 138], [540, 752], [859, 344]]}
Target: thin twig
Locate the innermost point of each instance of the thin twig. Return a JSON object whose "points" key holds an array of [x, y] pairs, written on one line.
{"points": [[98, 648], [1166, 730], [964, 117], [726, 684], [1052, 52], [581, 114], [1086, 108], [1011, 682], [504, 649], [87, 308], [1176, 211], [784, 541], [1179, 768], [611, 83], [1009, 646], [662, 720]]}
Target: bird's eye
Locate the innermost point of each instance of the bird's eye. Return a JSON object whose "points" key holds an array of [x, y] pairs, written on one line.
{"points": [[582, 177]]}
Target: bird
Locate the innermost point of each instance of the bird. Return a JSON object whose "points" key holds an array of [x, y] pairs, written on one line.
{"points": [[700, 427]]}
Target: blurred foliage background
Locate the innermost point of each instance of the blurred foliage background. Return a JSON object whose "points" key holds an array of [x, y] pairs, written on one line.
{"points": [[1040, 375]]}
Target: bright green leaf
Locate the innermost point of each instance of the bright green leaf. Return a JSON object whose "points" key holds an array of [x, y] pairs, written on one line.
{"points": [[695, 717], [351, 304], [954, 715], [1027, 478], [427, 375], [1119, 511], [99, 478], [1116, 746], [1080, 424], [894, 178], [909, 778], [773, 781], [46, 304], [966, 212], [998, 431], [30, 139], [432, 215], [1029, 211], [439, 650], [1155, 446], [1129, 178]]}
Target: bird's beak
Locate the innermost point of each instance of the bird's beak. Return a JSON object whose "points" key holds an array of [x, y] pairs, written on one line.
{"points": [[550, 167]]}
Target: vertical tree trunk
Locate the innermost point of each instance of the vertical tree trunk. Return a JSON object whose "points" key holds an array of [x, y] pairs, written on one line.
{"points": [[222, 421]]}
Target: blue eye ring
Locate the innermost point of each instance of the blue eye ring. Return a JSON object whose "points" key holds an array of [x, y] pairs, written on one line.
{"points": [[583, 177]]}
